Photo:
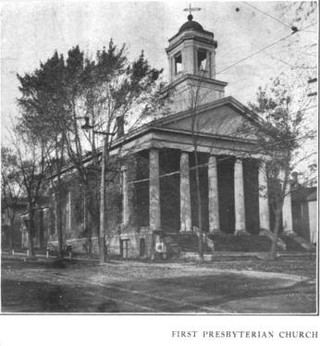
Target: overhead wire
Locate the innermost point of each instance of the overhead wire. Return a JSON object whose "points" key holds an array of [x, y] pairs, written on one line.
{"points": [[307, 27], [292, 28], [268, 14], [291, 65], [264, 48], [254, 53]]}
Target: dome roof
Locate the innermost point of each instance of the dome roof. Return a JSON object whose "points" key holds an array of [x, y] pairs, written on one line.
{"points": [[191, 25]]}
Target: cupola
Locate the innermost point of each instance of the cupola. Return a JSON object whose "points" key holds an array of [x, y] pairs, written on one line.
{"points": [[191, 56], [192, 50]]}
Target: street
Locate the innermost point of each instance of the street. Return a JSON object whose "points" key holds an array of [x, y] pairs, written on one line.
{"points": [[47, 286]]}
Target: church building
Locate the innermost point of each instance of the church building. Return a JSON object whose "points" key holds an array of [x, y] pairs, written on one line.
{"points": [[158, 211], [159, 205]]}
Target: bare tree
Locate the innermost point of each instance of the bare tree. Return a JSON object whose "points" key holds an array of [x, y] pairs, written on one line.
{"points": [[31, 164], [279, 136], [195, 101]]}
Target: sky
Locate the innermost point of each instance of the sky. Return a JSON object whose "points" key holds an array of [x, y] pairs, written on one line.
{"points": [[32, 31]]}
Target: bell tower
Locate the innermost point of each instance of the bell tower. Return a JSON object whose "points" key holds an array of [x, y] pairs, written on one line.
{"points": [[192, 67]]}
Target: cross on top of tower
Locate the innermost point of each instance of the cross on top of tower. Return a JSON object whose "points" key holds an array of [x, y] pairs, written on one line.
{"points": [[191, 9]]}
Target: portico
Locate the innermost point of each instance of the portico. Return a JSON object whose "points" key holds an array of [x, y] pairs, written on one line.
{"points": [[167, 186], [210, 200]]}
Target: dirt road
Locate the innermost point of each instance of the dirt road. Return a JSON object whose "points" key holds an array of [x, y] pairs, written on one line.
{"points": [[139, 287]]}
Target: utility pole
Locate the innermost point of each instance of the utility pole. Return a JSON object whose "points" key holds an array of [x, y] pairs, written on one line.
{"points": [[102, 247]]}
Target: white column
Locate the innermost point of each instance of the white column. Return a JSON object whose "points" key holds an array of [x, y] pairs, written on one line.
{"points": [[214, 220], [185, 198], [154, 191], [287, 212], [264, 215], [125, 199], [240, 218]]}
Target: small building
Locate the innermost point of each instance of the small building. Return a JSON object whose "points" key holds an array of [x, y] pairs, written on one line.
{"points": [[7, 210], [305, 212], [40, 227]]}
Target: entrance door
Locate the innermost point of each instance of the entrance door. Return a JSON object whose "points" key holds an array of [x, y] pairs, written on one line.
{"points": [[142, 247]]}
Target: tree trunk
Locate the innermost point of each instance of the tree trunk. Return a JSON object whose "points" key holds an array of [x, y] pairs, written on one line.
{"points": [[59, 222], [199, 208], [103, 256], [30, 232], [11, 235], [273, 250], [89, 238], [88, 228], [194, 105]]}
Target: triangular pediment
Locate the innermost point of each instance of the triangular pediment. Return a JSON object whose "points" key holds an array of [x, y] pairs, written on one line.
{"points": [[225, 117]]}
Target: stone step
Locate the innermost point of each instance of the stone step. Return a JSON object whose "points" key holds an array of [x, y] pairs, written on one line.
{"points": [[291, 244], [243, 256], [186, 242], [243, 243], [173, 248]]}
